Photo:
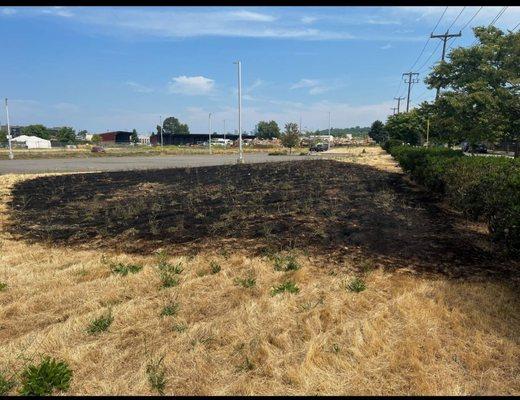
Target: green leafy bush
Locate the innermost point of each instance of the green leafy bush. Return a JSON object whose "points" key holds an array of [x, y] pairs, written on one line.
{"points": [[483, 188], [43, 379], [387, 145]]}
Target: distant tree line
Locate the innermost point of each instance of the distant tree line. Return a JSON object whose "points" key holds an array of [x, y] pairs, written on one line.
{"points": [[64, 134], [479, 97]]}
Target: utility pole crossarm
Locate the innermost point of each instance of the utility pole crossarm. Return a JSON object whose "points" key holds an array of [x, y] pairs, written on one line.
{"points": [[411, 80], [398, 103], [444, 37]]}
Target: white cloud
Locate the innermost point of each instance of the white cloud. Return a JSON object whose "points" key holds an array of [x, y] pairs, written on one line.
{"points": [[315, 86], [244, 15], [305, 83], [58, 11], [137, 87], [308, 20], [191, 85], [8, 11], [386, 46]]}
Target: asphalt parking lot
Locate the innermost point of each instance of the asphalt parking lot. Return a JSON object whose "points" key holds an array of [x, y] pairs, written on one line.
{"points": [[133, 162]]}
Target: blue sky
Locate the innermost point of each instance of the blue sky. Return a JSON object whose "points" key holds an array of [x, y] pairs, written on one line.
{"points": [[119, 68]]}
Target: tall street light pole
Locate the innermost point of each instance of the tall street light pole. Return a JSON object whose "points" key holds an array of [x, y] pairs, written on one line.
{"points": [[240, 156], [11, 156], [328, 143], [209, 132], [224, 129]]}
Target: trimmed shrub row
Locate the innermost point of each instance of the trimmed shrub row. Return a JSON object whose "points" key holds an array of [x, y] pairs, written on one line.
{"points": [[483, 188]]}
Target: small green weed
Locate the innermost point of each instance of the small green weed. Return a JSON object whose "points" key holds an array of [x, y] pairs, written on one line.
{"points": [[3, 286], [248, 282], [43, 379], [285, 287], [287, 263], [6, 384], [168, 280], [100, 324], [247, 365], [156, 375], [170, 309], [215, 267], [124, 269], [170, 268], [356, 285], [179, 327]]}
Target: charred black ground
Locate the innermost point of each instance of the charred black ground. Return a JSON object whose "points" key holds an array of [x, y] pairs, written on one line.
{"points": [[321, 207]]}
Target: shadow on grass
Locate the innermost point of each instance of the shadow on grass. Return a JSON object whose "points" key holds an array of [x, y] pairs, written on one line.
{"points": [[321, 207]]}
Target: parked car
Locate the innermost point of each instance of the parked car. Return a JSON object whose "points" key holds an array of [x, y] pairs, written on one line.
{"points": [[318, 147], [476, 148], [97, 149]]}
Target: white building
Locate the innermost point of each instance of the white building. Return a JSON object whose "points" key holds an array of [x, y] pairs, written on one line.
{"points": [[144, 139], [33, 142]]}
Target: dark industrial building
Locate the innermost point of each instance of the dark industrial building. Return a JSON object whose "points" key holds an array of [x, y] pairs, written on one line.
{"points": [[193, 138], [116, 137]]}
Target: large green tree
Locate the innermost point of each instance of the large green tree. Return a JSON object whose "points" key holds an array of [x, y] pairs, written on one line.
{"points": [[291, 137], [134, 138], [407, 127], [36, 130], [377, 132], [268, 130], [171, 125], [480, 87], [66, 135]]}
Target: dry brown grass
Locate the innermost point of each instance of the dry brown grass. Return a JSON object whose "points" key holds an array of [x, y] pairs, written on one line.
{"points": [[402, 335]]}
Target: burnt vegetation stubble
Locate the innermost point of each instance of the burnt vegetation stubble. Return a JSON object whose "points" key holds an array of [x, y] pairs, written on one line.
{"points": [[321, 207]]}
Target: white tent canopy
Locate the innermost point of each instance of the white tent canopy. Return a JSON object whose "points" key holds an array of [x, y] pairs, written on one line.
{"points": [[33, 142]]}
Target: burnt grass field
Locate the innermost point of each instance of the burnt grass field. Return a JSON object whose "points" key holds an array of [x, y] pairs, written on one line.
{"points": [[323, 208]]}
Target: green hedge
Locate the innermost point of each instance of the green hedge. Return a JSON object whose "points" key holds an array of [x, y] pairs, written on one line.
{"points": [[483, 188]]}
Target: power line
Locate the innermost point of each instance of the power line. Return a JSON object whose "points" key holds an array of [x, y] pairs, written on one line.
{"points": [[493, 21], [427, 41], [428, 59], [456, 18], [517, 25], [472, 18], [465, 25]]}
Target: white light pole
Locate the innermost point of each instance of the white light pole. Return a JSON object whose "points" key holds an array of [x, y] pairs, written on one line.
{"points": [[209, 131], [240, 156], [328, 143], [11, 156], [161, 122], [224, 129]]}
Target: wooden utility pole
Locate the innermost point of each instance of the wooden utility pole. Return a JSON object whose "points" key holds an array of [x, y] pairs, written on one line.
{"points": [[393, 110], [398, 102], [444, 37], [428, 132], [410, 81]]}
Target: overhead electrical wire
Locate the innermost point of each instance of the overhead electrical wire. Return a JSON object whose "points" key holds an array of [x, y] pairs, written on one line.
{"points": [[465, 25], [493, 21], [427, 41], [398, 94]]}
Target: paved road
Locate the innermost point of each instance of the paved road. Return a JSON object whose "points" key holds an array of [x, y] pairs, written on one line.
{"points": [[133, 162]]}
